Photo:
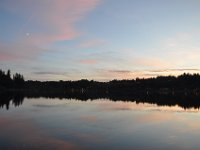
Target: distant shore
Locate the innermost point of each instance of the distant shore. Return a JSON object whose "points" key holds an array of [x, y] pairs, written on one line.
{"points": [[183, 90]]}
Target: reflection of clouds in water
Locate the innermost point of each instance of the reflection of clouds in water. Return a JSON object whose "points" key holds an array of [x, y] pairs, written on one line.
{"points": [[24, 134], [107, 105], [42, 102], [193, 126], [115, 106], [172, 139], [155, 117], [91, 119], [189, 124], [96, 138], [46, 105], [176, 109], [94, 124]]}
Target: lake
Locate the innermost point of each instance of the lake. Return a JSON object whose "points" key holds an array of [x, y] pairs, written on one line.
{"points": [[42, 123]]}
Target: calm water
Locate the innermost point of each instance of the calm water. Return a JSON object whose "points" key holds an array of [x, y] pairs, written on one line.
{"points": [[99, 124]]}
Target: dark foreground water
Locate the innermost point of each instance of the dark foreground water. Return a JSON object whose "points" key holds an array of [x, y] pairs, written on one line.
{"points": [[42, 123]]}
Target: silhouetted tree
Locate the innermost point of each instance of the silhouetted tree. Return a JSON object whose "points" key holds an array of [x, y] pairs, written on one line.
{"points": [[5, 79], [18, 80]]}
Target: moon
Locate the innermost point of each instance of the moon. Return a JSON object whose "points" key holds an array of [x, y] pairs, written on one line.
{"points": [[27, 34]]}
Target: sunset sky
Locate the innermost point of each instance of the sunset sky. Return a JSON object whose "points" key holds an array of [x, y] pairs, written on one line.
{"points": [[99, 39]]}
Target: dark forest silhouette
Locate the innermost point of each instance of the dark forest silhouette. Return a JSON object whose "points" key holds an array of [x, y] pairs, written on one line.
{"points": [[7, 82], [184, 101], [183, 90]]}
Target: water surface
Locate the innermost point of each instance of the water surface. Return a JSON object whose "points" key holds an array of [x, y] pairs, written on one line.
{"points": [[41, 123]]}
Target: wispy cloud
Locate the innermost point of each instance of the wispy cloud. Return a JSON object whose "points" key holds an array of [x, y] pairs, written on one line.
{"points": [[171, 70], [181, 49], [119, 71], [45, 22], [49, 73], [151, 62], [19, 51], [54, 20], [92, 43], [178, 40], [111, 74], [163, 72], [88, 61]]}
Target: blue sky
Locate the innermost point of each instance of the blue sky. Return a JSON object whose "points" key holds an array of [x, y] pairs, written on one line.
{"points": [[99, 39]]}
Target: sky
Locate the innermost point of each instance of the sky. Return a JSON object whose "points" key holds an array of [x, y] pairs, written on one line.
{"points": [[99, 39]]}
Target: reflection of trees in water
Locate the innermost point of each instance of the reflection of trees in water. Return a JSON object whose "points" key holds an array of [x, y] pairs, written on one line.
{"points": [[184, 101], [183, 90], [15, 99]]}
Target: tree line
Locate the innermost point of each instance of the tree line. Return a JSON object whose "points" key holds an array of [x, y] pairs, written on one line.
{"points": [[185, 84], [182, 90], [7, 81]]}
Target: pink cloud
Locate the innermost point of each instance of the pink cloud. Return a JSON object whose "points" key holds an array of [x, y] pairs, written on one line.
{"points": [[7, 57], [88, 61], [53, 20], [19, 52], [45, 22]]}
